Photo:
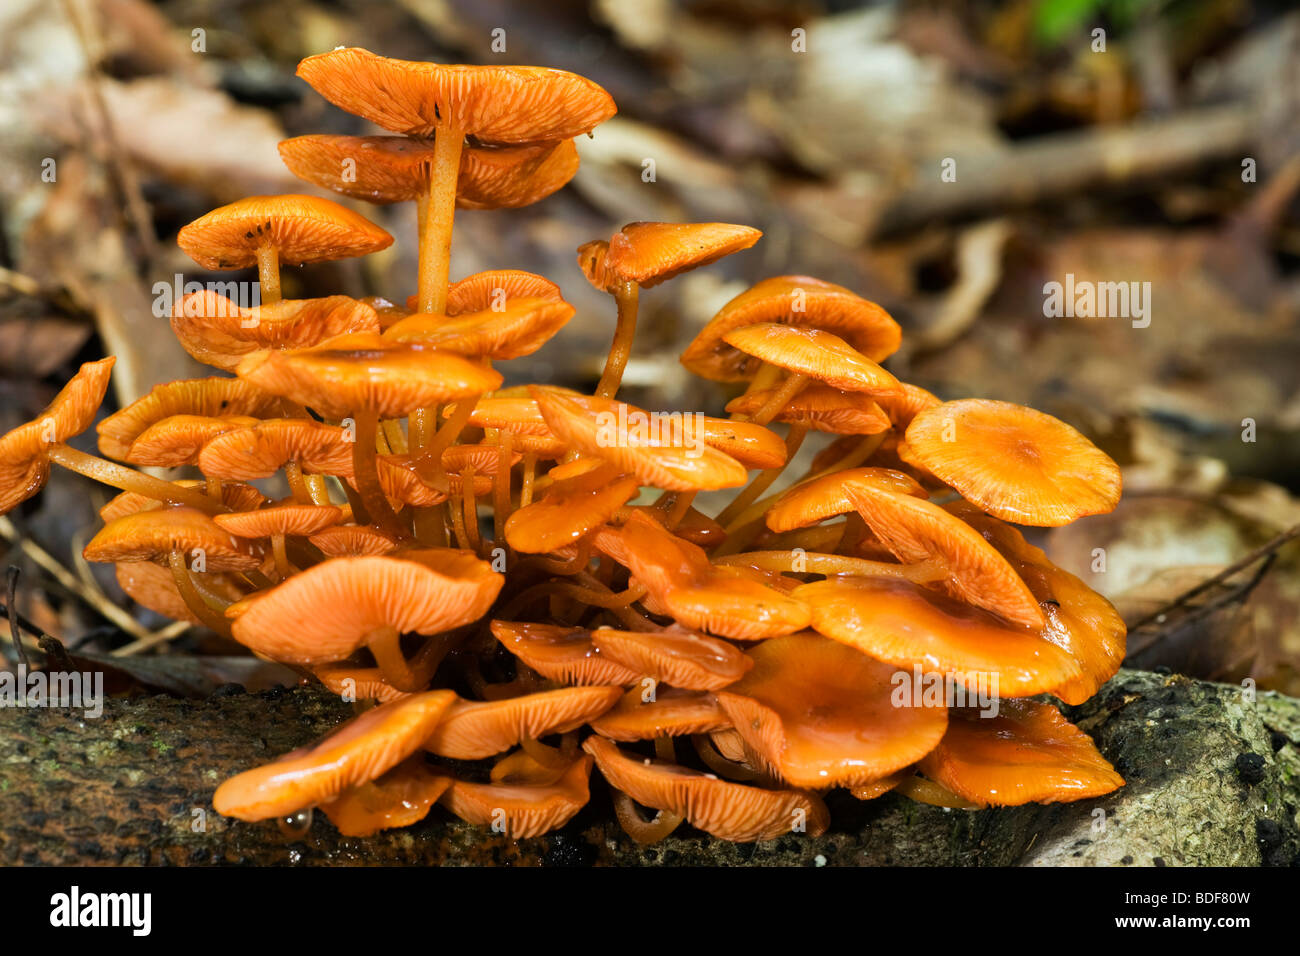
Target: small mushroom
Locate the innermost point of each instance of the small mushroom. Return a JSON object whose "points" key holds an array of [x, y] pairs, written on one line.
{"points": [[822, 714], [728, 811], [564, 654], [1014, 462], [642, 255], [268, 230], [473, 730], [1027, 753], [357, 752]]}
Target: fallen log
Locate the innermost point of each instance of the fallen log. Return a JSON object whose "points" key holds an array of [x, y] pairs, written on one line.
{"points": [[1213, 779]]}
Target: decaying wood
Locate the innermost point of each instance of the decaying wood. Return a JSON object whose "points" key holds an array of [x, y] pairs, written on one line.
{"points": [[135, 786]]}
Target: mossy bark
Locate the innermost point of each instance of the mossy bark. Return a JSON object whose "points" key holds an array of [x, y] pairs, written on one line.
{"points": [[135, 786]]}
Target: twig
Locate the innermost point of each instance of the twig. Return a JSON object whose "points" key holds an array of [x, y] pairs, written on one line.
{"points": [[1235, 595], [123, 172], [71, 583], [1262, 551], [172, 631], [16, 621]]}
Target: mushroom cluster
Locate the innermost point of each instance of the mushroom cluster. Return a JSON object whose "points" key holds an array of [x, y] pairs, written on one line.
{"points": [[879, 626]]}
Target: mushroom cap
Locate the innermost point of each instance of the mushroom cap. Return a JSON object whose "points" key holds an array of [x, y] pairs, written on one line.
{"points": [[1017, 463], [569, 509], [624, 436], [676, 657], [352, 541], [498, 104], [821, 408], [24, 467], [360, 750], [591, 260], [649, 253], [754, 446], [154, 534], [327, 611], [908, 626], [398, 479], [524, 810], [564, 654], [904, 406], [399, 798], [1027, 753], [728, 811], [822, 714], [496, 287], [791, 300], [818, 354], [915, 529], [260, 450], [235, 495], [301, 228], [734, 602], [219, 332], [352, 373], [670, 712], [360, 683], [388, 169], [520, 328], [178, 439], [153, 586], [208, 397], [287, 518], [825, 497], [1079, 620], [473, 730]]}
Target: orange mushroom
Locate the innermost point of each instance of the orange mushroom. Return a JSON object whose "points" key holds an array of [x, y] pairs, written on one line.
{"points": [[564, 654], [1014, 462], [267, 230], [642, 255], [520, 811], [473, 730], [821, 714], [357, 752], [728, 811], [329, 611], [1027, 753]]}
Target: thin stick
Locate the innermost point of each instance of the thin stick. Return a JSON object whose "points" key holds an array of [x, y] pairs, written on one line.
{"points": [[15, 622], [71, 583], [1237, 566]]}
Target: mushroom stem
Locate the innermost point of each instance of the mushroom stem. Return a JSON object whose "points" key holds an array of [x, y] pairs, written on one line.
{"points": [[367, 477], [200, 608], [501, 491], [214, 488], [423, 422], [428, 465], [793, 441], [735, 542], [681, 505], [720, 764], [282, 566], [469, 502], [268, 273], [526, 484], [639, 829], [626, 296], [812, 562], [316, 488], [439, 212], [431, 526], [128, 479], [385, 643], [297, 485], [392, 430], [664, 749], [792, 386], [457, 516]]}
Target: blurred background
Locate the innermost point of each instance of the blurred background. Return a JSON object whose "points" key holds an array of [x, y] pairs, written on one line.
{"points": [[946, 159]]}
